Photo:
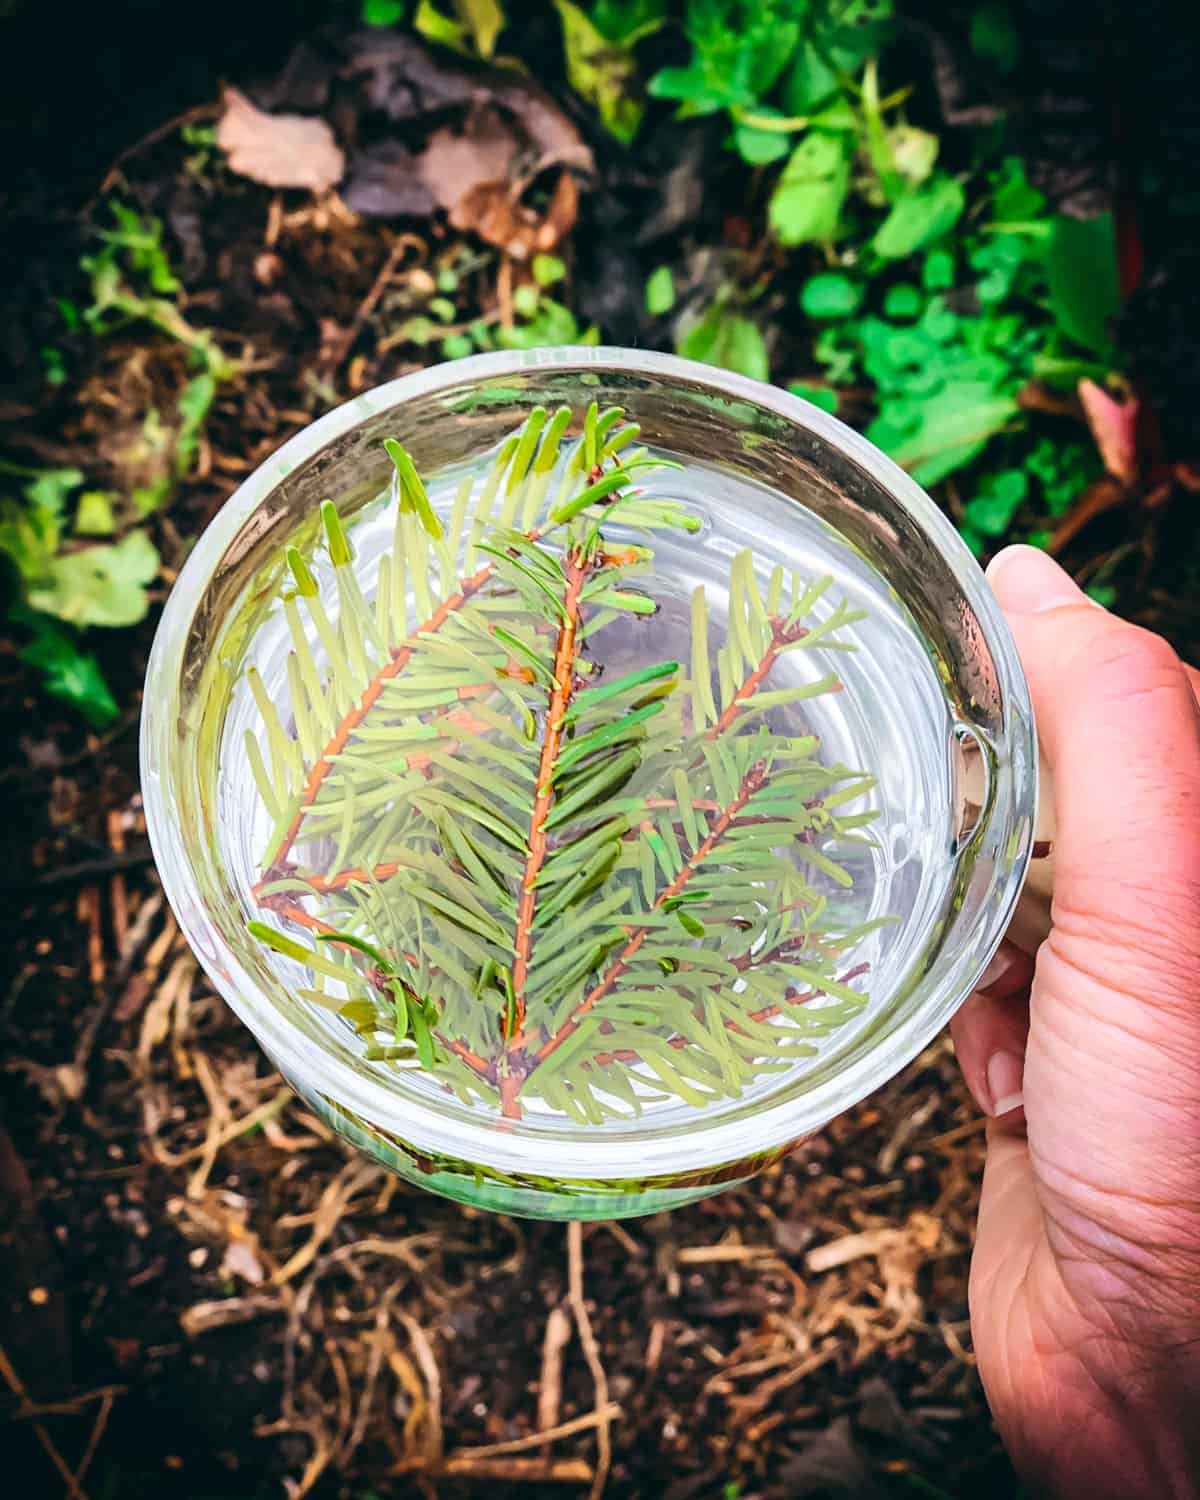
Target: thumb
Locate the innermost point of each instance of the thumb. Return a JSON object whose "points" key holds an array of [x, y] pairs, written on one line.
{"points": [[1111, 1074]]}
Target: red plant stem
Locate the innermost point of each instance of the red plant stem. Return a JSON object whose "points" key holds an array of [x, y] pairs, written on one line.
{"points": [[751, 783], [401, 657], [780, 637], [575, 572]]}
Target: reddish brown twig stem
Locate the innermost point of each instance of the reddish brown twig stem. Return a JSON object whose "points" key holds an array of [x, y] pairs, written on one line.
{"points": [[574, 572], [781, 635], [751, 783], [767, 1013]]}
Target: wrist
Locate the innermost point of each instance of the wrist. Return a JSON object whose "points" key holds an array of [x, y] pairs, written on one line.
{"points": [[1107, 1427]]}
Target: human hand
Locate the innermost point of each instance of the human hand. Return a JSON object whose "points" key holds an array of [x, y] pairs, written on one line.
{"points": [[1085, 1282]]}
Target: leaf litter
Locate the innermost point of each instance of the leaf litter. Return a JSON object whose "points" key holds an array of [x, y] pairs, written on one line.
{"points": [[283, 151]]}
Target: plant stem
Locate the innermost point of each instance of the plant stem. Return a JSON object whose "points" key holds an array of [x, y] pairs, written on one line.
{"points": [[766, 1013], [751, 783], [781, 636], [575, 572]]}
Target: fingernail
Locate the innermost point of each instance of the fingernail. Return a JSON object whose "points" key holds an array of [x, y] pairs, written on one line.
{"points": [[1005, 1080], [1028, 581], [1002, 960]]}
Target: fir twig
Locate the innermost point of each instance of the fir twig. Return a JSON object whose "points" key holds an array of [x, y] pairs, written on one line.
{"points": [[533, 878]]}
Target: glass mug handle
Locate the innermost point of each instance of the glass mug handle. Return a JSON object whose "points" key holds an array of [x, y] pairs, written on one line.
{"points": [[1031, 920]]}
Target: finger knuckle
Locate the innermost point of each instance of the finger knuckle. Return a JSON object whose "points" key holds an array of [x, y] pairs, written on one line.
{"points": [[1132, 662]]}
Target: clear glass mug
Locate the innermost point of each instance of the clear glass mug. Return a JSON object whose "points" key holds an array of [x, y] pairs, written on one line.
{"points": [[943, 714]]}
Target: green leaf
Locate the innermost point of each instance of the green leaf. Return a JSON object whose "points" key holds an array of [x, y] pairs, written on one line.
{"points": [[728, 340], [818, 395], [922, 215], [810, 82], [937, 273], [953, 427], [999, 497], [381, 12], [70, 674], [1081, 270], [759, 145], [993, 35], [629, 20], [103, 585], [831, 294], [660, 291], [340, 551], [604, 72], [807, 202], [903, 301], [547, 269], [94, 514], [51, 489], [473, 30]]}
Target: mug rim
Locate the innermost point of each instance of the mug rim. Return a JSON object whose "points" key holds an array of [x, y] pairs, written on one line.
{"points": [[616, 1154]]}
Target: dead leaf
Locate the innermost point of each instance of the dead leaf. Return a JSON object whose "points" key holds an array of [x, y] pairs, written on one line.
{"points": [[550, 132], [403, 80], [282, 151], [491, 212], [385, 182], [452, 165], [1114, 427]]}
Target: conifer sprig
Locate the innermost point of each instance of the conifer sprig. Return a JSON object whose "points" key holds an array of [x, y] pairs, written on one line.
{"points": [[535, 878]]}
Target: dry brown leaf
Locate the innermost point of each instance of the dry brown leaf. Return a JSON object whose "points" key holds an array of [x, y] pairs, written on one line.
{"points": [[453, 165], [281, 151]]}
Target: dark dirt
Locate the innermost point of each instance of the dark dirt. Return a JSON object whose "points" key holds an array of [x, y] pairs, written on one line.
{"points": [[203, 1293]]}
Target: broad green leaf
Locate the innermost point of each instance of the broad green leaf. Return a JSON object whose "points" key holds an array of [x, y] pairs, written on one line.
{"points": [[94, 514], [903, 301], [953, 428], [727, 339], [831, 294], [759, 144], [810, 82], [102, 585], [818, 395], [807, 202], [381, 12], [660, 291], [604, 72], [1081, 269], [922, 215], [999, 497], [473, 29], [993, 35], [72, 675], [691, 86], [628, 21]]}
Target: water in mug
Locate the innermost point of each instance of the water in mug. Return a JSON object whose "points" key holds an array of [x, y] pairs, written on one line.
{"points": [[673, 1031]]}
